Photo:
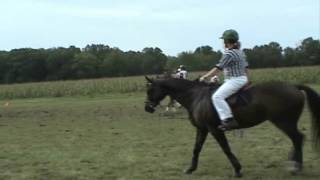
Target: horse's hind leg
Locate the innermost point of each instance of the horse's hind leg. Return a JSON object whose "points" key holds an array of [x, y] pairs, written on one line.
{"points": [[171, 105], [289, 127]]}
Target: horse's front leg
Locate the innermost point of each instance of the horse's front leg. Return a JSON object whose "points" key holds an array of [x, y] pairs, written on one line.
{"points": [[223, 142], [200, 139]]}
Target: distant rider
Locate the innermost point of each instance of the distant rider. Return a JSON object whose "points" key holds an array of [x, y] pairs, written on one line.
{"points": [[181, 72]]}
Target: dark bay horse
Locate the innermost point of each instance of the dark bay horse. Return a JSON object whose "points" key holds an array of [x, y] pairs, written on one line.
{"points": [[279, 102]]}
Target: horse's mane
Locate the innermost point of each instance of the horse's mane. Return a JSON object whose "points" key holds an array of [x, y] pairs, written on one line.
{"points": [[184, 83]]}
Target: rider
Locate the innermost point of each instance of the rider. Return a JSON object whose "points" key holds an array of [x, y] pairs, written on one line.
{"points": [[181, 72], [234, 65]]}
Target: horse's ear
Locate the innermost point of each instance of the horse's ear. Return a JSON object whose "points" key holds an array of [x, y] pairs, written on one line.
{"points": [[148, 79], [197, 79]]}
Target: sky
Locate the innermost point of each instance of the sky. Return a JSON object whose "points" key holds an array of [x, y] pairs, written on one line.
{"points": [[172, 25]]}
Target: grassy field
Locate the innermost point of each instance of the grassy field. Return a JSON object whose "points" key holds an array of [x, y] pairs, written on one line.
{"points": [[111, 137], [97, 129]]}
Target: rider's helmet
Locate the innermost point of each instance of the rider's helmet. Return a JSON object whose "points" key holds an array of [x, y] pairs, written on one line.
{"points": [[230, 36]]}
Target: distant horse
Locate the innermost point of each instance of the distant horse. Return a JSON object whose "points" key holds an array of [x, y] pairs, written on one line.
{"points": [[172, 104], [279, 102]]}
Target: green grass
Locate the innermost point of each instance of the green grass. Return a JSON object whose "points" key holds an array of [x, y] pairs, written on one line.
{"points": [[111, 137], [94, 87]]}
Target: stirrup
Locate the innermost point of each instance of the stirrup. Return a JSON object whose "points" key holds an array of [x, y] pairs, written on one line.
{"points": [[229, 124]]}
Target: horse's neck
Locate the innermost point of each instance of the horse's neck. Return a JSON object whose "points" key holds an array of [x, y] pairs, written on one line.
{"points": [[181, 93], [184, 98]]}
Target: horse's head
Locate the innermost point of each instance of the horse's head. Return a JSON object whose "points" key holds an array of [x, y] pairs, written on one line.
{"points": [[155, 94]]}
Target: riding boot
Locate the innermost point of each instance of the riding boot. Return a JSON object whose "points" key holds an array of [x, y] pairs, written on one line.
{"points": [[228, 124]]}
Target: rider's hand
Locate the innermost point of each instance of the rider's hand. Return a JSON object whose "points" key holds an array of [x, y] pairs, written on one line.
{"points": [[202, 78], [214, 79]]}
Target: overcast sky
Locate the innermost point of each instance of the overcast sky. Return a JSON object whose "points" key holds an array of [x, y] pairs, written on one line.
{"points": [[172, 25]]}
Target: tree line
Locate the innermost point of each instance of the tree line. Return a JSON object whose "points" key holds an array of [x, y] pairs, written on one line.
{"points": [[98, 60]]}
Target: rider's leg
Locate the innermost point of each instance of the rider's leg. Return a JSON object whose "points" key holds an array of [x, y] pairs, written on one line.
{"points": [[228, 88]]}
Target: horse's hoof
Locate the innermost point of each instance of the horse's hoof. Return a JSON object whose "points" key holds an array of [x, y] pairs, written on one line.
{"points": [[238, 174], [294, 167], [189, 171]]}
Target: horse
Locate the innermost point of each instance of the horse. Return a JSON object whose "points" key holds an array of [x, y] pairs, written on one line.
{"points": [[279, 102]]}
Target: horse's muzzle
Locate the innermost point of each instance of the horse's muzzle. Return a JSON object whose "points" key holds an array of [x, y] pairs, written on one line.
{"points": [[149, 107]]}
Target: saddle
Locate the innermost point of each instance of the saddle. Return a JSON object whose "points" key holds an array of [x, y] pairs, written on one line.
{"points": [[242, 97]]}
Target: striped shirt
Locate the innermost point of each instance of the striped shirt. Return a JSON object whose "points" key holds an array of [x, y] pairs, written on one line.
{"points": [[233, 63]]}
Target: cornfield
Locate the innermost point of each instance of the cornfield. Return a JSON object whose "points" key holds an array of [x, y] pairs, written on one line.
{"points": [[303, 75]]}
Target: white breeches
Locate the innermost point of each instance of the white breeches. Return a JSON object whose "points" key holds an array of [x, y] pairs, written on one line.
{"points": [[229, 87]]}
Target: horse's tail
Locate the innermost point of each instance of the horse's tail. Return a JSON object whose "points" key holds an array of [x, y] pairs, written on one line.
{"points": [[314, 105]]}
